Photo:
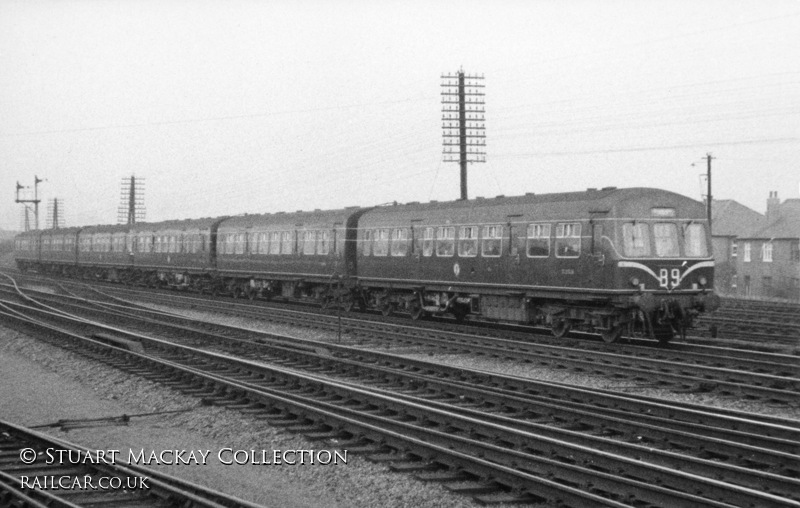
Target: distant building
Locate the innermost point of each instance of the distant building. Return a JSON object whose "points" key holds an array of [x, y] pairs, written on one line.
{"points": [[767, 258], [731, 220]]}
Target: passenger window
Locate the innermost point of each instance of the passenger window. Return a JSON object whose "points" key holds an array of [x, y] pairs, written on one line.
{"points": [[666, 236], [694, 240], [287, 242], [309, 242], [427, 242], [323, 242], [366, 246], [445, 241], [636, 239], [399, 242], [492, 241], [275, 242], [568, 240], [538, 240], [381, 242], [468, 241]]}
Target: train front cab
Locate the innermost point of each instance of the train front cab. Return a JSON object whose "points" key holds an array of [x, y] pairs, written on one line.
{"points": [[664, 256]]}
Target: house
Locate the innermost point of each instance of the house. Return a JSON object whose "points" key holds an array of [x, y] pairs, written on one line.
{"points": [[767, 260], [730, 220]]}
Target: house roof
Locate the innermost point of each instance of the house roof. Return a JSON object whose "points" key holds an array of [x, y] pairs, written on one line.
{"points": [[731, 218], [786, 224]]}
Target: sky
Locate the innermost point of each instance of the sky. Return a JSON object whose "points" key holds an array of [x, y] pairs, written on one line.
{"points": [[236, 106]]}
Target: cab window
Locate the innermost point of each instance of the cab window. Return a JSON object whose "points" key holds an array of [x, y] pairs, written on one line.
{"points": [[636, 239], [366, 246], [666, 239], [694, 241]]}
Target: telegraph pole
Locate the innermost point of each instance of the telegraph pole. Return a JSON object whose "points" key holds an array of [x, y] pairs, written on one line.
{"points": [[131, 206], [463, 109], [708, 179], [35, 201]]}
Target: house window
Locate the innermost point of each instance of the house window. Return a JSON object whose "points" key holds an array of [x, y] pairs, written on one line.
{"points": [[747, 252], [766, 252], [468, 242], [492, 241], [568, 240], [538, 240]]}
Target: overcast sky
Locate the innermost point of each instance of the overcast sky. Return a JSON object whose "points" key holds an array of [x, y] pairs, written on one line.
{"points": [[228, 107]]}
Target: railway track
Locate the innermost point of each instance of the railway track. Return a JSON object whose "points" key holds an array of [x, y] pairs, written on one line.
{"points": [[37, 470], [429, 416], [756, 375]]}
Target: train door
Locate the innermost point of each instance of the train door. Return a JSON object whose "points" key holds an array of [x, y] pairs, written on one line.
{"points": [[515, 254], [595, 263]]}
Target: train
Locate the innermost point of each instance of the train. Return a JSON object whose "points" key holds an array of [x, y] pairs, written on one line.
{"points": [[633, 262]]}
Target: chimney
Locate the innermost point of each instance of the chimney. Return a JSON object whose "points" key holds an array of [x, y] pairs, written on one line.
{"points": [[773, 206]]}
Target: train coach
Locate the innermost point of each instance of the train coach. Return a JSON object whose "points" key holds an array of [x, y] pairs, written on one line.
{"points": [[299, 256], [610, 261]]}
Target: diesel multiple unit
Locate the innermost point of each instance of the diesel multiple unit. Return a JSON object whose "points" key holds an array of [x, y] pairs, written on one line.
{"points": [[612, 261]]}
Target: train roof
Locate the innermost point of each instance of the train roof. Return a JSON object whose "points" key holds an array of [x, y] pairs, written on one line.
{"points": [[177, 225], [608, 202], [104, 228], [314, 218], [62, 231]]}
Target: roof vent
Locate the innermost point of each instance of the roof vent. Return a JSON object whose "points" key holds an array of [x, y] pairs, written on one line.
{"points": [[591, 189], [500, 196], [609, 188]]}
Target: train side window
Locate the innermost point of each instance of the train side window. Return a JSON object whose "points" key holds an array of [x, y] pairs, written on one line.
{"points": [[274, 242], [309, 242], [694, 241], [399, 242], [492, 241], [445, 241], [366, 246], [287, 245], [468, 241], [538, 240], [323, 242], [636, 239], [427, 242], [666, 236], [568, 240], [381, 243]]}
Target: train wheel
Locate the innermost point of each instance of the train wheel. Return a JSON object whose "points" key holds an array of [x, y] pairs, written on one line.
{"points": [[416, 312], [250, 293], [560, 328], [236, 292], [612, 334], [387, 310], [663, 333]]}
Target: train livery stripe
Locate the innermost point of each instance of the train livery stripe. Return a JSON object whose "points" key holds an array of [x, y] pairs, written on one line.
{"points": [[645, 268]]}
